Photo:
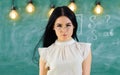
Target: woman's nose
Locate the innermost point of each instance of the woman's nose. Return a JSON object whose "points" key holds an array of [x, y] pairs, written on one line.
{"points": [[64, 29]]}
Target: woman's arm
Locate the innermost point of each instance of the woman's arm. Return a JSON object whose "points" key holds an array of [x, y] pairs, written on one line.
{"points": [[86, 66], [42, 68]]}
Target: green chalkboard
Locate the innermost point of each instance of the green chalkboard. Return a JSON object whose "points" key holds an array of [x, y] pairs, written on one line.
{"points": [[19, 38]]}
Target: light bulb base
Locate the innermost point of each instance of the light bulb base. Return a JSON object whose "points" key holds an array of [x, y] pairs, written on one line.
{"points": [[98, 3], [72, 0], [13, 7], [30, 1]]}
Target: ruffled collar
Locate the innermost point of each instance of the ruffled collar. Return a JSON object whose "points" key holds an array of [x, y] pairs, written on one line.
{"points": [[68, 42]]}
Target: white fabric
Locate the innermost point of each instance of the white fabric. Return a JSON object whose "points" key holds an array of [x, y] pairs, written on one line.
{"points": [[65, 58]]}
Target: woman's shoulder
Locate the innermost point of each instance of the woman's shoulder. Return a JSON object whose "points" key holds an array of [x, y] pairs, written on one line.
{"points": [[85, 48], [44, 49], [83, 44], [43, 52]]}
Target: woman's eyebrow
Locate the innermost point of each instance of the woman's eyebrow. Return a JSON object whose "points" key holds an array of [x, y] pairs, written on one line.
{"points": [[69, 23], [58, 23], [61, 24]]}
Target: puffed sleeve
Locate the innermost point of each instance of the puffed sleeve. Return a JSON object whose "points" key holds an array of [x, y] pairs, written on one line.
{"points": [[86, 51], [42, 53]]}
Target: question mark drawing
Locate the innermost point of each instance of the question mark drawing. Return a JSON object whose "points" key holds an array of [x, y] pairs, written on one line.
{"points": [[107, 17]]}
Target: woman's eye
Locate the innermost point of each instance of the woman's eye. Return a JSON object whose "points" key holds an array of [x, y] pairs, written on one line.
{"points": [[59, 26], [68, 25]]}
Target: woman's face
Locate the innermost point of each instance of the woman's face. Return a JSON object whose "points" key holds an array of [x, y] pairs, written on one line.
{"points": [[63, 28]]}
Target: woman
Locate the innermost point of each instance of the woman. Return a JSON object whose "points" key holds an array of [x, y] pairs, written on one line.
{"points": [[62, 53]]}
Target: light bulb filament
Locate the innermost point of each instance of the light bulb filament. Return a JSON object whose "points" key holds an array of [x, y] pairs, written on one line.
{"points": [[13, 14], [30, 8], [98, 9], [72, 6]]}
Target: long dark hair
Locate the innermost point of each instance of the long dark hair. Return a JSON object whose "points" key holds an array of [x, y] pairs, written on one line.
{"points": [[49, 36]]}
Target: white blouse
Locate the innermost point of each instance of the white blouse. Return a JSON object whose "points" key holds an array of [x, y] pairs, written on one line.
{"points": [[65, 58]]}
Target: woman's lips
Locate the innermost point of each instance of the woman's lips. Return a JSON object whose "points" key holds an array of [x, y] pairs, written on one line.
{"points": [[64, 34]]}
